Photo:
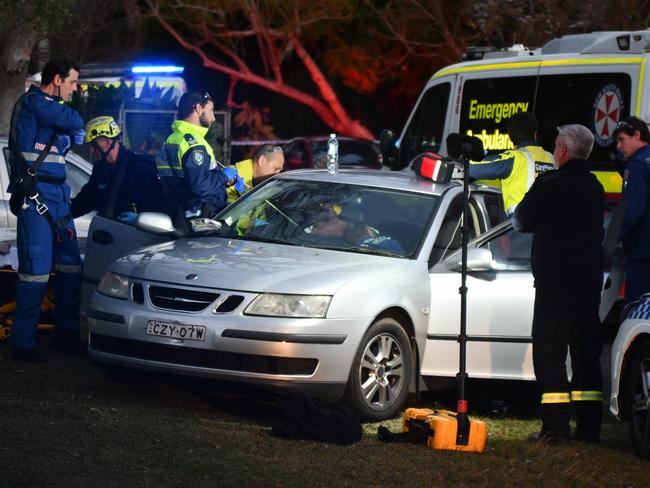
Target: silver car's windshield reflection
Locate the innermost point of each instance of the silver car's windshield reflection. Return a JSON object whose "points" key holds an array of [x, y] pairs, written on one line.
{"points": [[336, 216]]}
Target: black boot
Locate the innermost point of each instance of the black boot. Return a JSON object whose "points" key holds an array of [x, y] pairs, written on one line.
{"points": [[551, 438], [589, 417]]}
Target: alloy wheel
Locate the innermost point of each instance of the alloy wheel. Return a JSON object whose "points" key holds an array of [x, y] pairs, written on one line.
{"points": [[381, 371]]}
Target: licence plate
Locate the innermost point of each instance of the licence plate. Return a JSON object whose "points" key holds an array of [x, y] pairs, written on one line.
{"points": [[176, 331]]}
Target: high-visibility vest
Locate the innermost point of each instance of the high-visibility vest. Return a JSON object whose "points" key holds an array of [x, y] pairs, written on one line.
{"points": [[528, 162]]}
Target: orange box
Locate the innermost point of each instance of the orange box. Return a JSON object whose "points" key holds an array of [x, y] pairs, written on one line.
{"points": [[444, 427]]}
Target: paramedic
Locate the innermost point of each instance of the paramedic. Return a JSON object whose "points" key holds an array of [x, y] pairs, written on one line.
{"points": [[516, 168]]}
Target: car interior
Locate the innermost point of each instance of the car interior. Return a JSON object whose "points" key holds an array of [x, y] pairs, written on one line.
{"points": [[449, 236]]}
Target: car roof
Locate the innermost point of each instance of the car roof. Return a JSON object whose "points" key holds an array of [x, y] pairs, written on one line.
{"points": [[395, 180]]}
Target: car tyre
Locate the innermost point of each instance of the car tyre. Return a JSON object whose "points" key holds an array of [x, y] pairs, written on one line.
{"points": [[381, 371], [637, 400]]}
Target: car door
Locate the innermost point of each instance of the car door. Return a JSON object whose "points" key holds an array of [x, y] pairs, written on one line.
{"points": [[499, 312], [500, 304], [109, 239]]}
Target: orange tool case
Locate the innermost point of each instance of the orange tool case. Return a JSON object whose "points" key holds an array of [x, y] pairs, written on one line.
{"points": [[441, 427]]}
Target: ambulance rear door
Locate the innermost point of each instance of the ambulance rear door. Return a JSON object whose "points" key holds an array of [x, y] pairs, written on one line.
{"points": [[596, 91], [428, 124], [488, 95]]}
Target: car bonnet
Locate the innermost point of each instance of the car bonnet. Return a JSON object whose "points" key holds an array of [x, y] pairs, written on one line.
{"points": [[252, 266]]}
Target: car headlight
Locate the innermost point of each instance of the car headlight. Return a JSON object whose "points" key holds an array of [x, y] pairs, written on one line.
{"points": [[312, 306], [114, 285]]}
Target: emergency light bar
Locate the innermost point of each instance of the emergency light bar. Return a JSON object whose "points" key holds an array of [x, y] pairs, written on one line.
{"points": [[432, 167], [157, 69]]}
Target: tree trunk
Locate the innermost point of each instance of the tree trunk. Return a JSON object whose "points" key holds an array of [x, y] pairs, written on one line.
{"points": [[14, 59]]}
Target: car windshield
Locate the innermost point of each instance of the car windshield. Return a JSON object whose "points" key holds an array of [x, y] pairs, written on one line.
{"points": [[337, 216]]}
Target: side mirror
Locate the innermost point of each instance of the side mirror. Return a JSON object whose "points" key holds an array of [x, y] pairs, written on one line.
{"points": [[155, 222], [387, 147], [478, 259]]}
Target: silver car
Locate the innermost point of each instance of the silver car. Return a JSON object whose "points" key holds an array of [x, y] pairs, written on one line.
{"points": [[339, 285]]}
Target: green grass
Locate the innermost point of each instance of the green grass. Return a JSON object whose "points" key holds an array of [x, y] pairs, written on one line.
{"points": [[69, 424]]}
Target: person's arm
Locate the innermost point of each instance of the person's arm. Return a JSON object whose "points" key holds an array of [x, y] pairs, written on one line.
{"points": [[636, 196], [87, 199], [203, 182], [53, 114], [492, 169], [531, 208]]}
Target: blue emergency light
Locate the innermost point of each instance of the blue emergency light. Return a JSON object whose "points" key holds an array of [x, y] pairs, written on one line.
{"points": [[157, 69]]}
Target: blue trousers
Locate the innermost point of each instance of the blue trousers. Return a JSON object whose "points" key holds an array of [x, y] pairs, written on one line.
{"points": [[39, 246], [637, 279]]}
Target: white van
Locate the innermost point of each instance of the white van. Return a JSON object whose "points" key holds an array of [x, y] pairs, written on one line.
{"points": [[592, 79]]}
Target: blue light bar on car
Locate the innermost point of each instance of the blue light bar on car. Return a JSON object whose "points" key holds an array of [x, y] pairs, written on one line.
{"points": [[157, 69]]}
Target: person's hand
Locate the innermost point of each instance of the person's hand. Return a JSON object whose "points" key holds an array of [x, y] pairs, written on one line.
{"points": [[230, 174], [64, 142], [239, 184], [127, 217], [78, 136]]}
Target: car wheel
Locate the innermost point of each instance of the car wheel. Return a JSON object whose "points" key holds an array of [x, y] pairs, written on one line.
{"points": [[381, 371], [637, 400]]}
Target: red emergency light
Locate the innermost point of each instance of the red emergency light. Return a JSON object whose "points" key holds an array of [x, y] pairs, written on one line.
{"points": [[433, 167]]}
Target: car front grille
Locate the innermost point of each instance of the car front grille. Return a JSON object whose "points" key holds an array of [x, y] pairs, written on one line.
{"points": [[181, 299], [188, 356]]}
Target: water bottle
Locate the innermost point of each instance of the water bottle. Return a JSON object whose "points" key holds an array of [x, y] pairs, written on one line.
{"points": [[332, 154]]}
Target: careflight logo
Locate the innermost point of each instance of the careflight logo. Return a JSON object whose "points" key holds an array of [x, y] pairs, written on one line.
{"points": [[607, 112]]}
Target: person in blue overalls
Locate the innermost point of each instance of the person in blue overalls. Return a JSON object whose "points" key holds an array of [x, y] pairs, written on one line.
{"points": [[42, 130]]}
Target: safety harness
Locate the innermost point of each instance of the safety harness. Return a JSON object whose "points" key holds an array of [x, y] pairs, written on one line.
{"points": [[27, 178]]}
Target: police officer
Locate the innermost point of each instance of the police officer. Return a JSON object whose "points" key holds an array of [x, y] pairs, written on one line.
{"points": [[42, 130], [516, 168], [139, 189], [632, 139], [564, 211], [187, 164], [267, 161]]}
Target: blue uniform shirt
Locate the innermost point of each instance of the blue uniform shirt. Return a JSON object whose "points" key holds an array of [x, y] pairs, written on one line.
{"points": [[37, 116], [635, 233]]}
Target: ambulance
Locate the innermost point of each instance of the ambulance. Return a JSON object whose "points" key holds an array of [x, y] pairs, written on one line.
{"points": [[594, 79]]}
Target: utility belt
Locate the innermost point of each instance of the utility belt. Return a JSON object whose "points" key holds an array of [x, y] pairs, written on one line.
{"points": [[26, 189]]}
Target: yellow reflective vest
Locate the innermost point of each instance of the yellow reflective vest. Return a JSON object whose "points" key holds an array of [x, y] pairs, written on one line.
{"points": [[515, 170]]}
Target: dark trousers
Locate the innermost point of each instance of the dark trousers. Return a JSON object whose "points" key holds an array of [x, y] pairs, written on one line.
{"points": [[637, 279], [568, 320]]}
